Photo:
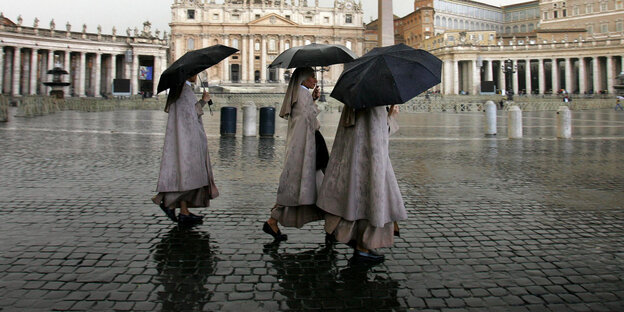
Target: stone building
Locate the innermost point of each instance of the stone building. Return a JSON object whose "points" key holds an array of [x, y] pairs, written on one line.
{"points": [[261, 30], [92, 59]]}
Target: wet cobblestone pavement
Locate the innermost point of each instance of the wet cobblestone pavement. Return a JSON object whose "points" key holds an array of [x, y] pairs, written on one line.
{"points": [[527, 225]]}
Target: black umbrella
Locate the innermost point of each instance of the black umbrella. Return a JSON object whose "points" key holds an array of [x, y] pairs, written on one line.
{"points": [[387, 76], [57, 71], [313, 55], [191, 64]]}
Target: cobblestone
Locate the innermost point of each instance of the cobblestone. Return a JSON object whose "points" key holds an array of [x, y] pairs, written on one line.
{"points": [[500, 225]]}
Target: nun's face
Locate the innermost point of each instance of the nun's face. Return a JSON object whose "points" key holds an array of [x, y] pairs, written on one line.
{"points": [[192, 79], [310, 83]]}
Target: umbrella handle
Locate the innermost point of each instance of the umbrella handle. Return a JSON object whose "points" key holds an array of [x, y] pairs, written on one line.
{"points": [[204, 88]]}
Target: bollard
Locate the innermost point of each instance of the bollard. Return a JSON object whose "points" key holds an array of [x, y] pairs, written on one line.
{"points": [[514, 122], [564, 122], [228, 121], [249, 119], [490, 118], [267, 122]]}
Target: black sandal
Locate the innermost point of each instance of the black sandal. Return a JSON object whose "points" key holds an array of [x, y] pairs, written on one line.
{"points": [[277, 236]]}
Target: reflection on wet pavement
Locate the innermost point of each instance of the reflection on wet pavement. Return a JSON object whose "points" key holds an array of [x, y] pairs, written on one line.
{"points": [[532, 224]]}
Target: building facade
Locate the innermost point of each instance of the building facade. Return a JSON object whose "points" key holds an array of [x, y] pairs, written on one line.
{"points": [[261, 30], [93, 60]]}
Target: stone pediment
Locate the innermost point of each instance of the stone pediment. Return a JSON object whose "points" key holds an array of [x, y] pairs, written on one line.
{"points": [[273, 20]]}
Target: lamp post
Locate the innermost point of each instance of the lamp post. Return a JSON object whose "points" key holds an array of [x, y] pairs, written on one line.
{"points": [[508, 68], [323, 70]]}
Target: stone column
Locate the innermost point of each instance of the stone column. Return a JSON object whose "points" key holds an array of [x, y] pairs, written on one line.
{"points": [[67, 67], [582, 76], [263, 59], [243, 58], [514, 77], [386, 23], [98, 75], [225, 76], [555, 76], [542, 77], [252, 60], [134, 76], [527, 76], [1, 70], [113, 72], [82, 81], [568, 75], [455, 77], [476, 78], [156, 74], [489, 71], [49, 65], [17, 71], [280, 71], [33, 71], [447, 77], [596, 74], [610, 75]]}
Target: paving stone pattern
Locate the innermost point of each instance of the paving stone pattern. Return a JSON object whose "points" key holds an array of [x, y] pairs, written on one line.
{"points": [[500, 225]]}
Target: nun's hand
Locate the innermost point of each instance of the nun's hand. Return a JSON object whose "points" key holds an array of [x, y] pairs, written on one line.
{"points": [[206, 96], [316, 94]]}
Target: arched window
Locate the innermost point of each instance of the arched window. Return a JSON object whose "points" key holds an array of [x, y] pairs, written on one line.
{"points": [[257, 45], [444, 22], [531, 27], [190, 44], [286, 45], [515, 29], [437, 21], [235, 43], [507, 29], [455, 24], [348, 44], [272, 44], [523, 28]]}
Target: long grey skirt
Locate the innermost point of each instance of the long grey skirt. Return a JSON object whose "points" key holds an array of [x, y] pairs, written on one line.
{"points": [[360, 231], [296, 216], [194, 198]]}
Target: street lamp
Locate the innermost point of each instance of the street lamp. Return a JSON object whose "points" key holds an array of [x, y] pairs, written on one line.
{"points": [[508, 68]]}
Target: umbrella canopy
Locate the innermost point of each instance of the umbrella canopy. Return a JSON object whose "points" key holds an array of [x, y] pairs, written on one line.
{"points": [[387, 76], [191, 64], [313, 55], [57, 71]]}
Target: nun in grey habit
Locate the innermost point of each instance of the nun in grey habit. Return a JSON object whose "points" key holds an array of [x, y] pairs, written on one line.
{"points": [[297, 191], [360, 193], [186, 179]]}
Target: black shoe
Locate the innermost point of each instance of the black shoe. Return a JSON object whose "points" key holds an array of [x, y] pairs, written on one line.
{"points": [[397, 234], [352, 243], [277, 236], [169, 212], [369, 256], [185, 220], [196, 216], [330, 239]]}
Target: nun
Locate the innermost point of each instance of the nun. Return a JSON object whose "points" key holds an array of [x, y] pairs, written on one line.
{"points": [[186, 179], [360, 193], [301, 176]]}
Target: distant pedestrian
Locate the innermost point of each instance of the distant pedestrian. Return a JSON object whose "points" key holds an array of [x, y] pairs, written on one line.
{"points": [[186, 179], [303, 163], [618, 104]]}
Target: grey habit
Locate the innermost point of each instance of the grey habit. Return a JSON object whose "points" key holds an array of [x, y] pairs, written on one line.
{"points": [[297, 191], [185, 170], [360, 192]]}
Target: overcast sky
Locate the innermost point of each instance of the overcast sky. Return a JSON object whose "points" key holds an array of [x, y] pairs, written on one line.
{"points": [[132, 13]]}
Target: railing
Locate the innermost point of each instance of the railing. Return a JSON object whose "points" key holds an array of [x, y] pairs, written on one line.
{"points": [[4, 108]]}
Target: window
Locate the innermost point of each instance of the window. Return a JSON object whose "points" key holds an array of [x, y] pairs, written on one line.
{"points": [[590, 29], [235, 17], [604, 6], [235, 43], [450, 38], [308, 19], [190, 44], [348, 45], [308, 41], [619, 26], [523, 28], [555, 14], [576, 11], [326, 20], [491, 37], [272, 45], [257, 16], [287, 16], [604, 28], [531, 27], [215, 17], [589, 8], [287, 45], [545, 15], [190, 14], [257, 45], [349, 19], [619, 4], [564, 13]]}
